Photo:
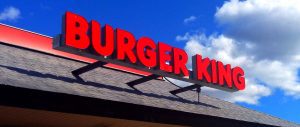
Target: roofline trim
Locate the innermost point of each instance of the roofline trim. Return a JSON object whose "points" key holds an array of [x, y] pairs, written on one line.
{"points": [[26, 30]]}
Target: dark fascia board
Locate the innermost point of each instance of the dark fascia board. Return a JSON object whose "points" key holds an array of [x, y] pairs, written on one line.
{"points": [[61, 102]]}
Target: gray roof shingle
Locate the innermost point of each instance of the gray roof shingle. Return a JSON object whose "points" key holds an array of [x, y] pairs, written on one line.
{"points": [[27, 69]]}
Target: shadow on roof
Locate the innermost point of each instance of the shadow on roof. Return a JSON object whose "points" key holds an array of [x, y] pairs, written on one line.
{"points": [[99, 85]]}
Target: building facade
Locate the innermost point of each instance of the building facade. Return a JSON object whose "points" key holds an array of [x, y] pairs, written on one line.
{"points": [[37, 88]]}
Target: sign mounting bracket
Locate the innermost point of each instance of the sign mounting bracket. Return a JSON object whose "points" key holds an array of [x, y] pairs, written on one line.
{"points": [[87, 68], [142, 80], [187, 88]]}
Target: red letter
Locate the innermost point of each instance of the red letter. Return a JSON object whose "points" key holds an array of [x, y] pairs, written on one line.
{"points": [[104, 46], [238, 79], [125, 45], [180, 59], [224, 74], [75, 30], [214, 73], [164, 57], [200, 68], [145, 49]]}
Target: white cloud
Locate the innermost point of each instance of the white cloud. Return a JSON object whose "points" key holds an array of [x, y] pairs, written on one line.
{"points": [[250, 95], [272, 26], [261, 36], [10, 13], [225, 49], [189, 19]]}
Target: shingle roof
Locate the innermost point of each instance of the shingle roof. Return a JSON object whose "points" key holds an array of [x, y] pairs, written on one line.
{"points": [[28, 69]]}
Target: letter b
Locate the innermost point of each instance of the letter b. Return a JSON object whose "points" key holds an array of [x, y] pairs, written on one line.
{"points": [[75, 30]]}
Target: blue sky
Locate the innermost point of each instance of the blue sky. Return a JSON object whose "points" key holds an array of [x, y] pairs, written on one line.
{"points": [[239, 32]]}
